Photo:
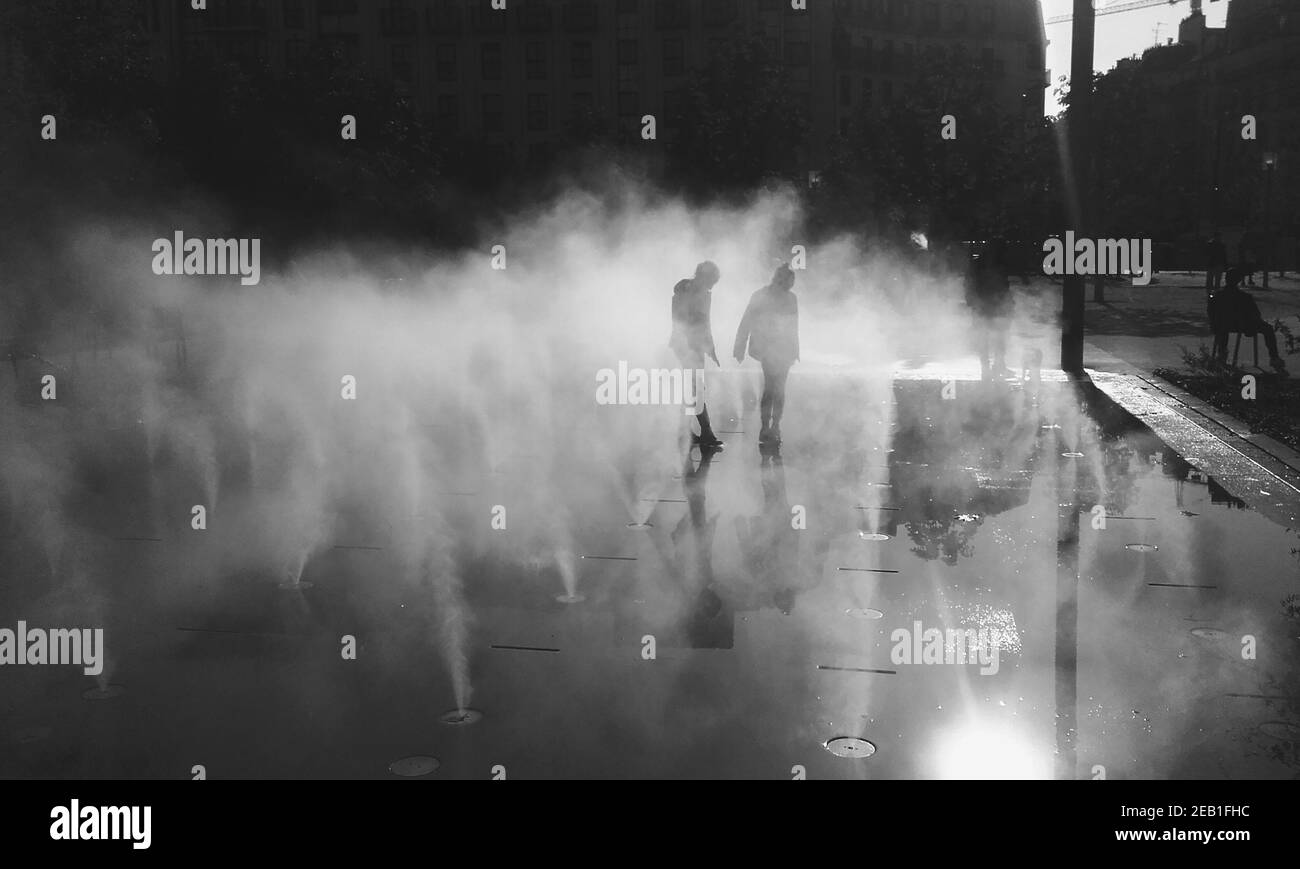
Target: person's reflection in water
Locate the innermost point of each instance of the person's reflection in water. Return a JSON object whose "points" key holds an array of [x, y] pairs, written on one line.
{"points": [[698, 569], [770, 542]]}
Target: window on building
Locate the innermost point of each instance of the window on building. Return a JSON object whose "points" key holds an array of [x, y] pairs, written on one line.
{"points": [[627, 52], [493, 113], [846, 91], [491, 61], [674, 55], [627, 104], [535, 60], [626, 7], [674, 105], [400, 61], [580, 16], [443, 16], [580, 60], [672, 14], [719, 13], [867, 92], [844, 127], [397, 18], [539, 113], [448, 117], [294, 14], [887, 91], [446, 61], [535, 16]]}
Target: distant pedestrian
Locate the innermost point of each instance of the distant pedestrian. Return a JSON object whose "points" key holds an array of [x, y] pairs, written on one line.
{"points": [[1216, 260], [770, 329], [1245, 257], [988, 293], [692, 338]]}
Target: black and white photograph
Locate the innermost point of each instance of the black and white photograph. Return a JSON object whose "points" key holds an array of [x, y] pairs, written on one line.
{"points": [[535, 390]]}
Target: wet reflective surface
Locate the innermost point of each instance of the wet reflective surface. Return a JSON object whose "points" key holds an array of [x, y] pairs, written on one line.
{"points": [[738, 614]]}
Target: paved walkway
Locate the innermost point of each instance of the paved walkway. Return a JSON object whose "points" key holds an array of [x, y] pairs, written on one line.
{"points": [[1138, 330], [1145, 328]]}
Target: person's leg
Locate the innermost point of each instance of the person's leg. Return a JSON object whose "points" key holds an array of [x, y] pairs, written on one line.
{"points": [[779, 376], [765, 403], [1270, 342], [983, 341], [1001, 327]]}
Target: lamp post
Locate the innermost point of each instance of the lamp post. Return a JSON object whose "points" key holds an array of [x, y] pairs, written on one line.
{"points": [[1270, 165], [1078, 173]]}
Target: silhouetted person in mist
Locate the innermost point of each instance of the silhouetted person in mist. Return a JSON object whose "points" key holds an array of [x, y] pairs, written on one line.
{"points": [[988, 293], [1245, 255], [770, 328], [1216, 260], [1232, 310], [692, 338]]}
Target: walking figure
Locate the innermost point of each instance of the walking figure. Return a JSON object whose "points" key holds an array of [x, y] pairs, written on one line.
{"points": [[988, 293], [1216, 260], [692, 338], [770, 328]]}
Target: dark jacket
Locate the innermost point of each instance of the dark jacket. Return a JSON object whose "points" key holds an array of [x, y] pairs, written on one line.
{"points": [[692, 330], [770, 327]]}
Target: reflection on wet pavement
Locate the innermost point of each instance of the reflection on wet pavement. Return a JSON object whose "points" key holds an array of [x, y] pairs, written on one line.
{"points": [[828, 605]]}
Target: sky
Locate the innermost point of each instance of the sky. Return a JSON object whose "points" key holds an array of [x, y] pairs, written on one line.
{"points": [[1120, 35]]}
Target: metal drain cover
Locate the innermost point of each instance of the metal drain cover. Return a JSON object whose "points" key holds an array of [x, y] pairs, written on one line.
{"points": [[413, 767], [108, 692], [850, 746], [1141, 547], [872, 535], [570, 598], [865, 613]]}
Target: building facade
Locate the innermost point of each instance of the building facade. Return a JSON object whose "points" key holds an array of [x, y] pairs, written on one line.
{"points": [[516, 76], [1209, 81]]}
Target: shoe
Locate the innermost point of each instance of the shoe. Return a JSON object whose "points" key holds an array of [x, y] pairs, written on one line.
{"points": [[765, 435], [774, 434], [708, 442]]}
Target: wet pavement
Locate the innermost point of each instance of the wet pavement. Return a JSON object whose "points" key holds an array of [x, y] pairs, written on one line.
{"points": [[757, 613]]}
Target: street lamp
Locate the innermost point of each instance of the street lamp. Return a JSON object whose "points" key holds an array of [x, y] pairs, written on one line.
{"points": [[1270, 165]]}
